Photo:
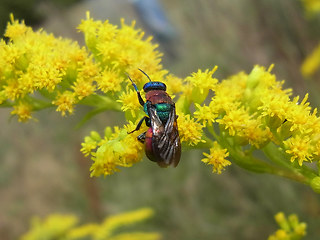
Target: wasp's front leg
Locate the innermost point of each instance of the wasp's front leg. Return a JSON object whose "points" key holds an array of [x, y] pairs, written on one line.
{"points": [[145, 118]]}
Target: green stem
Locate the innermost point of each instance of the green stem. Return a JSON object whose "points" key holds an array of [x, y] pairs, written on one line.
{"points": [[38, 104], [210, 128], [250, 163], [277, 156], [247, 162], [257, 165], [101, 102], [6, 104], [46, 94]]}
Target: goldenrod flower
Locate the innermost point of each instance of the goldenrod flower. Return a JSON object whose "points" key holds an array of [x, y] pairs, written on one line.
{"points": [[275, 106], [120, 48], [201, 83], [119, 149], [37, 61], [130, 102], [58, 226], [83, 88], [244, 113], [90, 143], [54, 226], [113, 222], [216, 158], [299, 148], [23, 110], [65, 102], [110, 81], [174, 84], [290, 227], [12, 90], [205, 114], [228, 94], [192, 131], [235, 120]]}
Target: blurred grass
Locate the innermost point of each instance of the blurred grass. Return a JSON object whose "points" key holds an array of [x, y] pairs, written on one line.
{"points": [[42, 171]]}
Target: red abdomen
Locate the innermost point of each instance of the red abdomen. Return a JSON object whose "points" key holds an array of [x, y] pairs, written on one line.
{"points": [[148, 145]]}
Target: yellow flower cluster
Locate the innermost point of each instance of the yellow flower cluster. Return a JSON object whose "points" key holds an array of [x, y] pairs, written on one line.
{"points": [[116, 149], [38, 62], [233, 117], [63, 227], [192, 132], [255, 110], [120, 51], [290, 228], [53, 226], [38, 71]]}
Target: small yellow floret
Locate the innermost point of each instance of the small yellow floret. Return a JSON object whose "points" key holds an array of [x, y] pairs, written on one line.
{"points": [[65, 102], [300, 148], [174, 84], [88, 145], [205, 114], [23, 110], [110, 81], [190, 131], [129, 101], [235, 120], [216, 158], [12, 90], [83, 89], [203, 80], [15, 29]]}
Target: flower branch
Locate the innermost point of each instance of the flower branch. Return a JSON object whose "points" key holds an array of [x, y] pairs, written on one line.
{"points": [[235, 120]]}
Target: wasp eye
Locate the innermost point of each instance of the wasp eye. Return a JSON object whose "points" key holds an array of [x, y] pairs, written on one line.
{"points": [[154, 86]]}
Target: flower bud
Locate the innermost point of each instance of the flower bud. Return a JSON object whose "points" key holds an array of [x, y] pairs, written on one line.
{"points": [[315, 184]]}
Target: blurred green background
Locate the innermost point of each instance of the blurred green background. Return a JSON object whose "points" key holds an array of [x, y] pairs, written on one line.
{"points": [[42, 170]]}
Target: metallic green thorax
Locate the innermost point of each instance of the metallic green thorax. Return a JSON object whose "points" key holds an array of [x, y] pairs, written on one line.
{"points": [[163, 110]]}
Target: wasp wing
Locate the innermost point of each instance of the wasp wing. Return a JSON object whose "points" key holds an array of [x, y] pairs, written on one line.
{"points": [[156, 123], [166, 140]]}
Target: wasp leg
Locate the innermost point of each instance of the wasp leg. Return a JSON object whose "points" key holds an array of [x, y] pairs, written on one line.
{"points": [[142, 137], [138, 92], [139, 124]]}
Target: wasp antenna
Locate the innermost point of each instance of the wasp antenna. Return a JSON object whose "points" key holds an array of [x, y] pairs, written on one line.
{"points": [[129, 77], [133, 84], [145, 74]]}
